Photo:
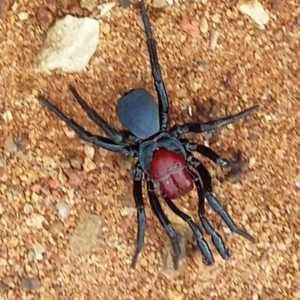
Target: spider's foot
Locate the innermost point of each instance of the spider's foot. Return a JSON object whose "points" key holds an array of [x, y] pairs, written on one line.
{"points": [[207, 262], [176, 259], [224, 163], [227, 254], [135, 258], [133, 262], [245, 234]]}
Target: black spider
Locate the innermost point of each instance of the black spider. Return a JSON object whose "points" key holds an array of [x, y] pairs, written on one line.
{"points": [[163, 156]]}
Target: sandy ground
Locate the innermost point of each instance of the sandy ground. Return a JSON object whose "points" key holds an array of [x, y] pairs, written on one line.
{"points": [[37, 152]]}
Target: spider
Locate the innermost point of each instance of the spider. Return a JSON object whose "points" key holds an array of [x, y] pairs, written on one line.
{"points": [[164, 158]]}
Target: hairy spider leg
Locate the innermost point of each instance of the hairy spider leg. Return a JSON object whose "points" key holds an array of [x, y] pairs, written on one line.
{"points": [[164, 221], [208, 258], [212, 200], [215, 237], [163, 101], [87, 136], [141, 215], [178, 130], [116, 136]]}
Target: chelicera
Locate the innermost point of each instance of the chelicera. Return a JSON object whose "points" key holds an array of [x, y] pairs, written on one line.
{"points": [[164, 157]]}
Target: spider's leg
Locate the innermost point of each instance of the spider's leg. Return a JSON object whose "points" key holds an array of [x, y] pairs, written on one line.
{"points": [[208, 152], [164, 221], [212, 200], [178, 130], [208, 258], [87, 136], [116, 136], [163, 101], [141, 215], [216, 238]]}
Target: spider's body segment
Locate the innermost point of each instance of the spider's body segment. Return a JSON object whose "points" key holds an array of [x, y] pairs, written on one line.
{"points": [[163, 157], [169, 169], [138, 112]]}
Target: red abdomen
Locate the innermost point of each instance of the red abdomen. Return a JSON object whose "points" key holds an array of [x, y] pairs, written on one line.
{"points": [[169, 169]]}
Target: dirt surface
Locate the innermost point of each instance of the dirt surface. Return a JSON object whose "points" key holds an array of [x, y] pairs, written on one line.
{"points": [[39, 156]]}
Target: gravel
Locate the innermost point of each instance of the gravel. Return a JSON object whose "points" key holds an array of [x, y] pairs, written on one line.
{"points": [[264, 202]]}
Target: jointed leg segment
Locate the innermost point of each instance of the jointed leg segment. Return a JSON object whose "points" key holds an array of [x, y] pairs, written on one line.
{"points": [[216, 238], [85, 135], [208, 152], [163, 101], [157, 209], [116, 136], [202, 244], [212, 200], [141, 215], [178, 130]]}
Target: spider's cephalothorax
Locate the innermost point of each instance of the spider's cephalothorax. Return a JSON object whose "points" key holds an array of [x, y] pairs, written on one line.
{"points": [[163, 156]]}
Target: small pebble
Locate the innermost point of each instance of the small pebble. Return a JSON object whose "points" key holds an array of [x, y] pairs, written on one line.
{"points": [[251, 162], [159, 3], [28, 209], [253, 137], [88, 165], [30, 284], [125, 3], [214, 40], [174, 295], [203, 66], [88, 4], [2, 161], [254, 10], [76, 162], [38, 250], [7, 116], [63, 210], [10, 145], [216, 18], [22, 141], [204, 25], [75, 177], [89, 151], [105, 8], [23, 16], [105, 28], [69, 133]]}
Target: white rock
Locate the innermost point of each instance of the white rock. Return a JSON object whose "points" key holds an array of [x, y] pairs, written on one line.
{"points": [[23, 16], [105, 8], [89, 151], [7, 116], [10, 145], [88, 165], [63, 210], [69, 45], [254, 10], [38, 250]]}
